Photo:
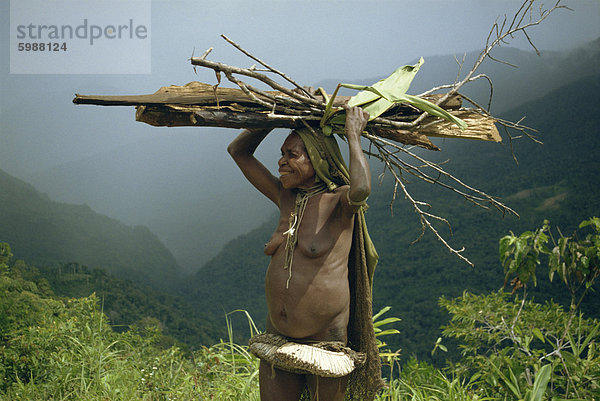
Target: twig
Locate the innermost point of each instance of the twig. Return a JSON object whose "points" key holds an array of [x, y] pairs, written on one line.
{"points": [[501, 35], [424, 216], [435, 167], [268, 67], [253, 74], [243, 87]]}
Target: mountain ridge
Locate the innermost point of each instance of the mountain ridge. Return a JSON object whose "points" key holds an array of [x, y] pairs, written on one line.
{"points": [[538, 74], [46, 232]]}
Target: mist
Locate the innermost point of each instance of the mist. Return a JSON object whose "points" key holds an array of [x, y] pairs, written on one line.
{"points": [[180, 182]]}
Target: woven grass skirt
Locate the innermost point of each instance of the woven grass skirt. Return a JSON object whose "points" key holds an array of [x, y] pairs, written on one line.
{"points": [[325, 359]]}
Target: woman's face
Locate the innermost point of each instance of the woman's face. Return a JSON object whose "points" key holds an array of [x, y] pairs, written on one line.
{"points": [[295, 168]]}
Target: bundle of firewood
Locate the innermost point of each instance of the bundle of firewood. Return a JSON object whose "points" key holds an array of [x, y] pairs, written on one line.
{"points": [[201, 104]]}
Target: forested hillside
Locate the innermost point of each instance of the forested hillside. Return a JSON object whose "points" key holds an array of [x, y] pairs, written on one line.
{"points": [[46, 233], [64, 349], [125, 303], [557, 181], [234, 279]]}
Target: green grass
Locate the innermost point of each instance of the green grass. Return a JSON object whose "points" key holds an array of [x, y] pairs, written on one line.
{"points": [[71, 353], [66, 350]]}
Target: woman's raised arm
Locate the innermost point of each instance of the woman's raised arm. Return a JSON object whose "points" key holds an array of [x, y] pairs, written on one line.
{"points": [[242, 151]]}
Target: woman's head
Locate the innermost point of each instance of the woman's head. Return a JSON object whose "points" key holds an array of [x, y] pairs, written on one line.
{"points": [[295, 167]]}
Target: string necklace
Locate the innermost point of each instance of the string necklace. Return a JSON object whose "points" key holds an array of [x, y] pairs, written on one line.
{"points": [[302, 197]]}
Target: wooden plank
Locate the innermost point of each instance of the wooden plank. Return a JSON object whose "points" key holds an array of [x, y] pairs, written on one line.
{"points": [[405, 137], [199, 104], [478, 127], [224, 116], [198, 93]]}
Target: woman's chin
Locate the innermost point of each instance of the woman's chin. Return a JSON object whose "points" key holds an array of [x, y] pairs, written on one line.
{"points": [[287, 182], [287, 185]]}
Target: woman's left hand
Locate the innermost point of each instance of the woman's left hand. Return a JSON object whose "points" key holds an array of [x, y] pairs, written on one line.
{"points": [[356, 121]]}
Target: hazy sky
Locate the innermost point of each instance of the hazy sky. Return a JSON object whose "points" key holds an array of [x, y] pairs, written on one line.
{"points": [[309, 40], [168, 178]]}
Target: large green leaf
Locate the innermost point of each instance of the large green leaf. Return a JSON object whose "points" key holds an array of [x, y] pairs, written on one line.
{"points": [[379, 97], [540, 384], [433, 109], [386, 321], [389, 88], [378, 107]]}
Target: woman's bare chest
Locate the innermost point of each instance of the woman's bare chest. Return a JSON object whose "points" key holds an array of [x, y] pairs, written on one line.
{"points": [[312, 232]]}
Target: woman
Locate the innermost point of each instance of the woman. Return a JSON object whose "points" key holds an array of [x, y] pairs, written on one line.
{"points": [[307, 289]]}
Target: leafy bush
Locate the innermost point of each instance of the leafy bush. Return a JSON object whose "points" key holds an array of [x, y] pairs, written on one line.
{"points": [[513, 348], [67, 350], [507, 342], [524, 350]]}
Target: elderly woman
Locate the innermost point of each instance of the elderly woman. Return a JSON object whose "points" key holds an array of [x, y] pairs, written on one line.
{"points": [[307, 281]]}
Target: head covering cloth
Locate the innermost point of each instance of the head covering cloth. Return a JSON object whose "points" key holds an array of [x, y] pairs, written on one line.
{"points": [[330, 168]]}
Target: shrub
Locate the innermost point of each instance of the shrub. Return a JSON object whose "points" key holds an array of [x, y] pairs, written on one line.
{"points": [[525, 350]]}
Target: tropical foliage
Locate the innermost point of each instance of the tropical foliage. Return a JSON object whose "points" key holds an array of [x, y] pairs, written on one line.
{"points": [[512, 347], [526, 349]]}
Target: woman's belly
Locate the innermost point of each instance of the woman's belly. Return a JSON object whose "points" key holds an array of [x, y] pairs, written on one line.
{"points": [[315, 304]]}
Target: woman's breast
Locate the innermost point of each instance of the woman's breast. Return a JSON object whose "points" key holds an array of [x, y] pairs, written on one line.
{"points": [[274, 243], [277, 238], [311, 241]]}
